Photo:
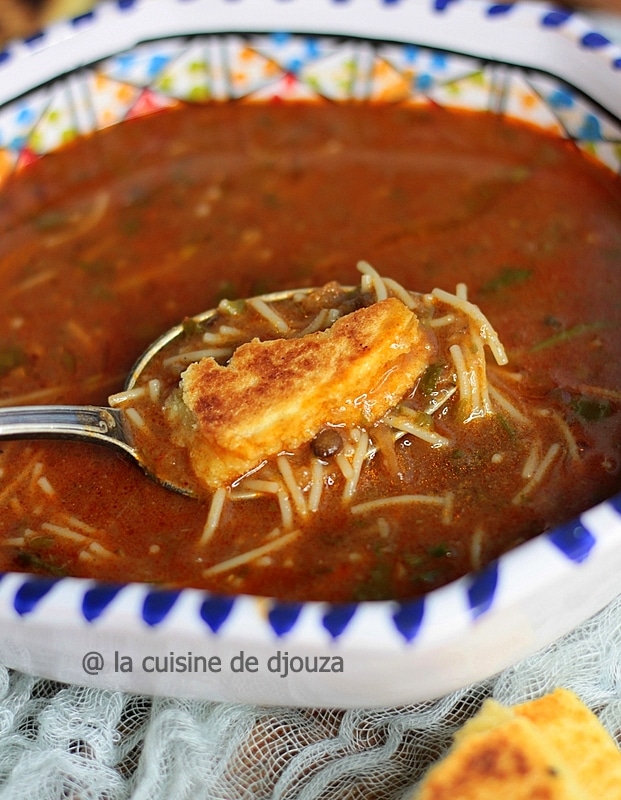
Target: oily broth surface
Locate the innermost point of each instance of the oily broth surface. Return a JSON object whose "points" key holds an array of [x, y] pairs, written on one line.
{"points": [[109, 242]]}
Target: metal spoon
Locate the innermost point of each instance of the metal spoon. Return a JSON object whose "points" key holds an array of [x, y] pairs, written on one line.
{"points": [[100, 424]]}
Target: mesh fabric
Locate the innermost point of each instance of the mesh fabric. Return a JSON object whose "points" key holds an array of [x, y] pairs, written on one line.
{"points": [[59, 741]]}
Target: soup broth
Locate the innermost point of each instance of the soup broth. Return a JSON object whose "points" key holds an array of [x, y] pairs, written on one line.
{"points": [[111, 240]]}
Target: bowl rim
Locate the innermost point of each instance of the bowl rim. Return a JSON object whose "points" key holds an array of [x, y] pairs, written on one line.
{"points": [[540, 34], [473, 601]]}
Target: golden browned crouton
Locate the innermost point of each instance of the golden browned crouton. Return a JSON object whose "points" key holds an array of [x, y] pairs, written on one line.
{"points": [[553, 748], [275, 395]]}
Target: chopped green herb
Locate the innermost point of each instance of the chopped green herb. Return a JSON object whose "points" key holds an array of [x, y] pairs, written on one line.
{"points": [[271, 200], [378, 584], [68, 360], [259, 286], [412, 559], [190, 326], [420, 418], [567, 335], [520, 173], [11, 356], [130, 225], [232, 307], [430, 378], [591, 410], [428, 577], [50, 220], [506, 425], [33, 561], [226, 291], [509, 276], [101, 291], [97, 268], [441, 550], [486, 193], [41, 542]]}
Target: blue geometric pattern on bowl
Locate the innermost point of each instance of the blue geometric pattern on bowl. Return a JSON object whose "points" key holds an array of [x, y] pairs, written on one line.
{"points": [[215, 611], [573, 540], [337, 618], [157, 605], [97, 599], [408, 618], [283, 617], [482, 588], [31, 592]]}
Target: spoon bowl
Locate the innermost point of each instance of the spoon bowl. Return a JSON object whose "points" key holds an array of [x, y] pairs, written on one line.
{"points": [[103, 424]]}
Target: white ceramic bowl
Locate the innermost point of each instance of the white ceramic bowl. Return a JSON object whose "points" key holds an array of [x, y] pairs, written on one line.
{"points": [[381, 653]]}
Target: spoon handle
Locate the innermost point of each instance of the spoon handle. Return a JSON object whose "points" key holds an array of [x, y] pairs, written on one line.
{"points": [[85, 423]]}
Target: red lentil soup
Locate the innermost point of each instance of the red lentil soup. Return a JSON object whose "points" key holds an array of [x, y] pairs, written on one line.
{"points": [[111, 240]]}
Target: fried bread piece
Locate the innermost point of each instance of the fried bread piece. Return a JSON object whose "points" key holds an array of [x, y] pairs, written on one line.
{"points": [[582, 741], [275, 395], [553, 748]]}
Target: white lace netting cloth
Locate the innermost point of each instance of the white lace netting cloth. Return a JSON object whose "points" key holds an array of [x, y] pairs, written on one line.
{"points": [[59, 741]]}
